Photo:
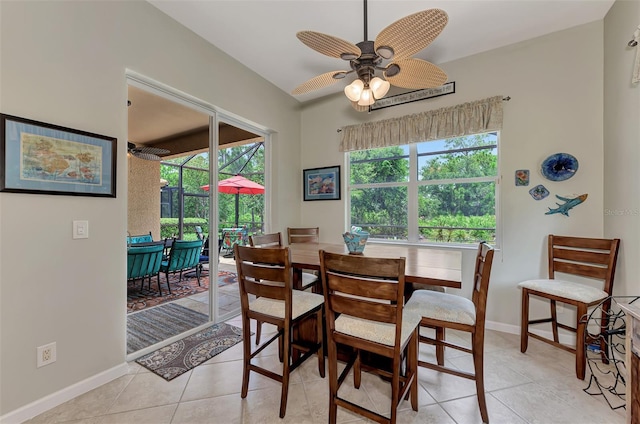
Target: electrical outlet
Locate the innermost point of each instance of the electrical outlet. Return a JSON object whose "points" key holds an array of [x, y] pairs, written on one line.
{"points": [[46, 354]]}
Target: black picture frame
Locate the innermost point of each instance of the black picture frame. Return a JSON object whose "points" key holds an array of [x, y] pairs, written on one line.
{"points": [[321, 183], [41, 158]]}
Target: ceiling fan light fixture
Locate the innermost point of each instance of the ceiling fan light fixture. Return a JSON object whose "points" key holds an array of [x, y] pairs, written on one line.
{"points": [[354, 90], [366, 98], [379, 87]]}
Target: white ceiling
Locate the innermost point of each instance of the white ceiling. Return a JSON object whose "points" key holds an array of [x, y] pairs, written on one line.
{"points": [[261, 34]]}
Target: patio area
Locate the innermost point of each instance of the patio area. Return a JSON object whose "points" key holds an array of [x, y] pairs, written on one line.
{"points": [[229, 297]]}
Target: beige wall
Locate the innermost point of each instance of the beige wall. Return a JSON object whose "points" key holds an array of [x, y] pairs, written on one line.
{"points": [[143, 198], [622, 144], [556, 86], [65, 63]]}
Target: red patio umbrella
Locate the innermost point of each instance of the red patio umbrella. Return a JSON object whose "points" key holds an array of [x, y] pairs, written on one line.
{"points": [[237, 185]]}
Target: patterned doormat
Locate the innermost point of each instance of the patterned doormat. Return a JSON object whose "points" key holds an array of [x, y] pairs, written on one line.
{"points": [[141, 298], [179, 357]]}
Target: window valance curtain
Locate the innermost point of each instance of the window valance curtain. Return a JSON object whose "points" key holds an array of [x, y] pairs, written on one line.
{"points": [[454, 121]]}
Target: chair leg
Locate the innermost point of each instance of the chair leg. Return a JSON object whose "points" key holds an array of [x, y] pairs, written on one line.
{"points": [[605, 341], [320, 341], [554, 321], [412, 367], [524, 322], [581, 360], [246, 347], [333, 381], [168, 284], [160, 288], [395, 388], [440, 337], [258, 331], [357, 371], [285, 372], [478, 364]]}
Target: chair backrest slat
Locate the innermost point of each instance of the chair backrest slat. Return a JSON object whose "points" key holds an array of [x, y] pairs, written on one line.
{"points": [[358, 286], [592, 257], [303, 235], [364, 309], [266, 240]]}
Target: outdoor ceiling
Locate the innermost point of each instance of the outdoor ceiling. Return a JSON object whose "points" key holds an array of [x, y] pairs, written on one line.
{"points": [[261, 34], [159, 122]]}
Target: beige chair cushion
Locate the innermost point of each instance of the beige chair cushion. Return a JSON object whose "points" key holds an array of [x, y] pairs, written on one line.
{"points": [[308, 279], [566, 289], [302, 303], [442, 306], [379, 332]]}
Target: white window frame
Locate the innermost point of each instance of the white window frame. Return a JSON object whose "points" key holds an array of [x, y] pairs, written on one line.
{"points": [[412, 194]]}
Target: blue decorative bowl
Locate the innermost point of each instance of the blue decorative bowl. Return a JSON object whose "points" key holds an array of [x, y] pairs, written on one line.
{"points": [[356, 242]]}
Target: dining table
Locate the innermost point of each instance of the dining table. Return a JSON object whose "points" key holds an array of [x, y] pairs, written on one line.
{"points": [[425, 266]]}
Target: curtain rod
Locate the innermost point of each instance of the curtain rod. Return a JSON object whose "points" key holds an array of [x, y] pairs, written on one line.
{"points": [[504, 99]]}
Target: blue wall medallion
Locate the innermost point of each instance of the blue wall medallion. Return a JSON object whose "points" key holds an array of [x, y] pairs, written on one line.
{"points": [[539, 192], [559, 167]]}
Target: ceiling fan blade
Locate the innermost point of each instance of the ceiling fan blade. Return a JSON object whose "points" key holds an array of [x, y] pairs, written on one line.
{"points": [[151, 150], [146, 156], [329, 45], [416, 73], [409, 35], [316, 83]]}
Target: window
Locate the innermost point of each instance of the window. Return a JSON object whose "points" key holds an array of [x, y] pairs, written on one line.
{"points": [[441, 191]]}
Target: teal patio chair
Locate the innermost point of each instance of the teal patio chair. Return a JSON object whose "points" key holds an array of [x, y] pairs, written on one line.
{"points": [[143, 238], [144, 262], [184, 255]]}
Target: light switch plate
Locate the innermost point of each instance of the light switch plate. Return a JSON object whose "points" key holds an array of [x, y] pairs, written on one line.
{"points": [[80, 229]]}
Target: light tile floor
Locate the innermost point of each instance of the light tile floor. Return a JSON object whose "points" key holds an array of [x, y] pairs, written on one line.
{"points": [[536, 387]]}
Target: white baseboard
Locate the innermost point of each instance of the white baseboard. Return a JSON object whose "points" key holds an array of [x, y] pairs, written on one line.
{"points": [[51, 401], [569, 339]]}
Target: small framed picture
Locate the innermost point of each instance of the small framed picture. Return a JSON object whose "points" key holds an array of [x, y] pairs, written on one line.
{"points": [[41, 158], [522, 177], [321, 183]]}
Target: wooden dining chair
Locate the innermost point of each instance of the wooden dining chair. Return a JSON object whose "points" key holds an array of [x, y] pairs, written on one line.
{"points": [[266, 240], [303, 235], [267, 274], [444, 310], [593, 258], [364, 311], [309, 278]]}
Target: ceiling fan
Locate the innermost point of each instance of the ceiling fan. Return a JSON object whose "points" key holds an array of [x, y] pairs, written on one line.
{"points": [[145, 152], [397, 43]]}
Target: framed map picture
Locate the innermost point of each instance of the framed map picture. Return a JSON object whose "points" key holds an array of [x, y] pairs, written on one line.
{"points": [[44, 158]]}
